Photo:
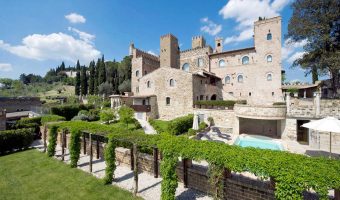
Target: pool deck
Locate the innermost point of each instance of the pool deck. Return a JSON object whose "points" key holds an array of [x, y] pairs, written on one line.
{"points": [[215, 134]]}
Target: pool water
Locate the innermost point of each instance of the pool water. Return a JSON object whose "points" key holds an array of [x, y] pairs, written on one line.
{"points": [[258, 142]]}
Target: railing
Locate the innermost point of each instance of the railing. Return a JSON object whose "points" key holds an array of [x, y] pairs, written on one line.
{"points": [[141, 108]]}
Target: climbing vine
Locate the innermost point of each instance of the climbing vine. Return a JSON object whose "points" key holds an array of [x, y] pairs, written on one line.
{"points": [[52, 141], [75, 147], [110, 160], [168, 172], [216, 176]]}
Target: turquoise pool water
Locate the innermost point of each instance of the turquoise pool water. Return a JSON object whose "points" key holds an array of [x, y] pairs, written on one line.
{"points": [[258, 142]]}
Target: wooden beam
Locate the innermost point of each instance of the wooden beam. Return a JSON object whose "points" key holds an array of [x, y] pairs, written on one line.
{"points": [[155, 162], [135, 170], [63, 135], [337, 194], [84, 143], [97, 147], [44, 138], [90, 148], [185, 172], [131, 159]]}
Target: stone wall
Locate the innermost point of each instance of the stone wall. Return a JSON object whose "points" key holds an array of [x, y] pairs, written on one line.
{"points": [[289, 129], [308, 108], [191, 57], [272, 112], [203, 89], [14, 104], [222, 118], [321, 141]]}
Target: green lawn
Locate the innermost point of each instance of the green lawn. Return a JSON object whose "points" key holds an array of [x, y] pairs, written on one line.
{"points": [[159, 125], [32, 175]]}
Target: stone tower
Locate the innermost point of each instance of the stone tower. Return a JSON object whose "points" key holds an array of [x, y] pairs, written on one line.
{"points": [[197, 42], [131, 48], [218, 45], [169, 51]]}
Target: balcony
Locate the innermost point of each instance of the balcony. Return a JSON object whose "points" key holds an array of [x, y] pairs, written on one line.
{"points": [[141, 108]]}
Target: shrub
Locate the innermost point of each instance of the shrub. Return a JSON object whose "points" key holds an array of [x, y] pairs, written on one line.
{"points": [[107, 115], [36, 120], [293, 90], [136, 123], [69, 111], [75, 147], [168, 172], [106, 104], [243, 102], [51, 118], [180, 125], [80, 117], [52, 141], [192, 132], [15, 139], [211, 121], [202, 126], [159, 125], [110, 160], [94, 115]]}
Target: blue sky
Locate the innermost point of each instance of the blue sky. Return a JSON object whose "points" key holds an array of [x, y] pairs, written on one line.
{"points": [[37, 35]]}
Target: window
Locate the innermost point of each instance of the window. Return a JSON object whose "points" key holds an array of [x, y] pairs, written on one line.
{"points": [[269, 58], [245, 60], [201, 97], [148, 84], [172, 83], [218, 44], [207, 98], [200, 62], [249, 93], [269, 77], [227, 79], [269, 36], [273, 93], [137, 73], [240, 78], [221, 63], [213, 97], [168, 101], [145, 72], [185, 67], [137, 89]]}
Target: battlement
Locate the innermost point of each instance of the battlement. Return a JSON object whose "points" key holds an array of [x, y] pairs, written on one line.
{"points": [[267, 20], [197, 41], [141, 53], [169, 35]]}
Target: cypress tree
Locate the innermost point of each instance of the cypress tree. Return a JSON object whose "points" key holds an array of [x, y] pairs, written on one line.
{"points": [[91, 78], [102, 71], [62, 66], [83, 81], [77, 86], [96, 77]]}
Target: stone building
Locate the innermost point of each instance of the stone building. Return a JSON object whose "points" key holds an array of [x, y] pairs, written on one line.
{"points": [[2, 119], [175, 78], [16, 104]]}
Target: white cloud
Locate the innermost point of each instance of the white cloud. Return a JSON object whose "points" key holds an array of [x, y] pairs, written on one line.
{"points": [[292, 50], [75, 18], [152, 53], [55, 46], [83, 35], [210, 27], [5, 67], [245, 12]]}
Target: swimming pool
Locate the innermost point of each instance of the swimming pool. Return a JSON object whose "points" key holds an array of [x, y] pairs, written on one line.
{"points": [[258, 142]]}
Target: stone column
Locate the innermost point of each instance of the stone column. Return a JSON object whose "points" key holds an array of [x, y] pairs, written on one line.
{"points": [[304, 94], [288, 102], [317, 104]]}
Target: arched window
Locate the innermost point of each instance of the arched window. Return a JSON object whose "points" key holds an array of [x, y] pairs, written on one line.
{"points": [[200, 62], [172, 82], [269, 58], [145, 72], [240, 78], [245, 60], [213, 97], [269, 77], [168, 101], [269, 36], [221, 63], [148, 84], [185, 67], [137, 73], [227, 80]]}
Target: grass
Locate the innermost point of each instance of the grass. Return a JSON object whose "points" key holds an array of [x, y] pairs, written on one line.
{"points": [[32, 175], [159, 125]]}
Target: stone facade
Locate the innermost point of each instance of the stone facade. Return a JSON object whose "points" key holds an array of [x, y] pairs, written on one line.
{"points": [[15, 104], [222, 118], [272, 112]]}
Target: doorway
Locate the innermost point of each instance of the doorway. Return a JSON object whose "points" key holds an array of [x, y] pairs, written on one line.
{"points": [[302, 133]]}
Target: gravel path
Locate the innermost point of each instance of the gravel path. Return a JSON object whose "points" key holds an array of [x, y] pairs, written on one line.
{"points": [[148, 186], [148, 129]]}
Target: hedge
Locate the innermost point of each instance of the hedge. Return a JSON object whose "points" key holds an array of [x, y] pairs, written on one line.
{"points": [[51, 118], [293, 173], [26, 120], [110, 160], [180, 125], [16, 139], [221, 103], [75, 146], [69, 111], [52, 141]]}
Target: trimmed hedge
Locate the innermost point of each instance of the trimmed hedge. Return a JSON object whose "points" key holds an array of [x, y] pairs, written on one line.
{"points": [[221, 103], [75, 146], [279, 103], [69, 111], [16, 139], [26, 120], [51, 118], [180, 125], [110, 160]]}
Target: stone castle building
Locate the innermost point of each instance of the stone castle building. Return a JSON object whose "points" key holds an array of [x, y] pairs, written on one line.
{"points": [[167, 85]]}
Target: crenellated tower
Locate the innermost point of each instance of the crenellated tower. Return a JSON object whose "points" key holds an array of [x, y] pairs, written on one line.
{"points": [[169, 51]]}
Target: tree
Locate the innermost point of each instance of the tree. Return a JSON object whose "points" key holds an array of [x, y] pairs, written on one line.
{"points": [[83, 81], [91, 77], [105, 88], [96, 77], [62, 66], [126, 115], [107, 115], [317, 21], [77, 86], [101, 71], [125, 86]]}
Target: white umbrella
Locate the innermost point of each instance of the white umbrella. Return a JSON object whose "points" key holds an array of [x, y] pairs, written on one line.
{"points": [[328, 124], [195, 123]]}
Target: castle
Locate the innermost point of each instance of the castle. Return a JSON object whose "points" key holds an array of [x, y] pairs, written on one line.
{"points": [[171, 82]]}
